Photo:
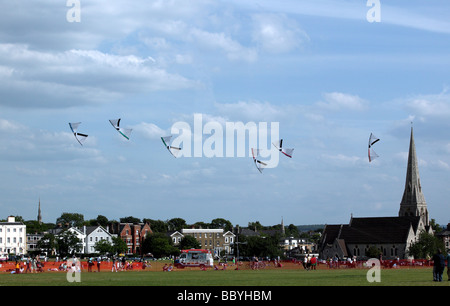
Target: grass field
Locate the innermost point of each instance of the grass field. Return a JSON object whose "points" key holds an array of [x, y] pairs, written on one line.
{"points": [[195, 277]]}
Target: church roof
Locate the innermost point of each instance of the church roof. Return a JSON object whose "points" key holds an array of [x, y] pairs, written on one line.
{"points": [[374, 230]]}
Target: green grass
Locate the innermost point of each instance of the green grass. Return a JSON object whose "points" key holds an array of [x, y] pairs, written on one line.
{"points": [[273, 277]]}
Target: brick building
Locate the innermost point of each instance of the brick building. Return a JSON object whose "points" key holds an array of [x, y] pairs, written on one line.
{"points": [[132, 234]]}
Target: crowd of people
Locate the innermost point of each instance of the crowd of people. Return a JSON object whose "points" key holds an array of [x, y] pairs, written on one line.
{"points": [[36, 264]]}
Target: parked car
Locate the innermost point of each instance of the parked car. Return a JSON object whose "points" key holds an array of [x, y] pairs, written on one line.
{"points": [[3, 257]]}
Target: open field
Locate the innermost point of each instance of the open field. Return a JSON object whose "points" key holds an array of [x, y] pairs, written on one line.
{"points": [[288, 275]]}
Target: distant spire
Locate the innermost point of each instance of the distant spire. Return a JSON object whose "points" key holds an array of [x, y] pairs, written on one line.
{"points": [[282, 226], [413, 201], [39, 217]]}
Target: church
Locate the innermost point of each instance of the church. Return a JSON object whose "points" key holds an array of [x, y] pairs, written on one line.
{"points": [[391, 235]]}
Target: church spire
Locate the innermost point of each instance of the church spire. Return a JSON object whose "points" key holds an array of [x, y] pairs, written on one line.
{"points": [[413, 201], [39, 217]]}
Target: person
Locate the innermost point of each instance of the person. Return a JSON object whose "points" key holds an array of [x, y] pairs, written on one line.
{"points": [[438, 266], [448, 265], [114, 264], [28, 265], [90, 264], [304, 262], [99, 259], [313, 262]]}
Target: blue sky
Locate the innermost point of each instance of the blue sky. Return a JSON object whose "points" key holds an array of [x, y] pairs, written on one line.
{"points": [[318, 68]]}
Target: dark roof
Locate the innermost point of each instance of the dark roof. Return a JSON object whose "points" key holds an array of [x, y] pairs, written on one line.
{"points": [[372, 230]]}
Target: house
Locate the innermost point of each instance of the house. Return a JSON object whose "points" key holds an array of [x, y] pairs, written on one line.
{"points": [[13, 237], [133, 235], [391, 235], [92, 235], [176, 237], [445, 236], [32, 241], [215, 240]]}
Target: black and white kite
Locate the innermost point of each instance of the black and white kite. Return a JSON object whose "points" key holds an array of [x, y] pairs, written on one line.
{"points": [[173, 150], [372, 140], [279, 146], [79, 136], [259, 164], [124, 132]]}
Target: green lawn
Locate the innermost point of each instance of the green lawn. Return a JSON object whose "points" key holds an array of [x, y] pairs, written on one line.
{"points": [[274, 277]]}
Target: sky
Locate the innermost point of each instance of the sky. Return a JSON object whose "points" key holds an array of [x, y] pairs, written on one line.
{"points": [[323, 70]]}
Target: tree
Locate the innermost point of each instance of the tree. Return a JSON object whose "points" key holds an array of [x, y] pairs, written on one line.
{"points": [[130, 219], [72, 219], [100, 221], [189, 242], [67, 242], [157, 225], [373, 252], [104, 247], [47, 242], [118, 246], [292, 230], [426, 246], [159, 244], [176, 224], [222, 223], [260, 246]]}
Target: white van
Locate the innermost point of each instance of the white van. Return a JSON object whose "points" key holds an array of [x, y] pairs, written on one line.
{"points": [[195, 258]]}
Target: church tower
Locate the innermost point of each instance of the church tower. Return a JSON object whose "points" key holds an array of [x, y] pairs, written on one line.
{"points": [[413, 201]]}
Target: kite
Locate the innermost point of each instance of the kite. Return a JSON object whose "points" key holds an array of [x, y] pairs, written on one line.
{"points": [[259, 164], [79, 136], [372, 140], [124, 132], [279, 146], [173, 150]]}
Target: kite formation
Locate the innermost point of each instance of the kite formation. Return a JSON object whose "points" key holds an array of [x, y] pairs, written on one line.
{"points": [[260, 165]]}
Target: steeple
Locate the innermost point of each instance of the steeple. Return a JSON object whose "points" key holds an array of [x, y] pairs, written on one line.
{"points": [[39, 217], [413, 201]]}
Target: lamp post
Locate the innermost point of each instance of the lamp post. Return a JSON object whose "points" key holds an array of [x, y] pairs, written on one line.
{"points": [[237, 249]]}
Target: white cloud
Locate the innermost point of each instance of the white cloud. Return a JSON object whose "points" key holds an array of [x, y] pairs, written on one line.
{"points": [[150, 130], [250, 110], [430, 105], [337, 101], [220, 41], [276, 33], [61, 79]]}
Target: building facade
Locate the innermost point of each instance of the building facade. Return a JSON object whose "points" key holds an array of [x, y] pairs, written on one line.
{"points": [[214, 240], [133, 235], [13, 237], [92, 235]]}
